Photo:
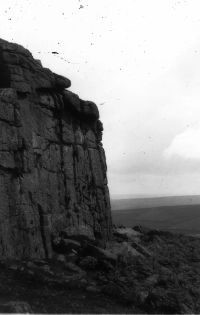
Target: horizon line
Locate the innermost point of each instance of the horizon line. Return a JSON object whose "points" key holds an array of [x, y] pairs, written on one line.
{"points": [[142, 196]]}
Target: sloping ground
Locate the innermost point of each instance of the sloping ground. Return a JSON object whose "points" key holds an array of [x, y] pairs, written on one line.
{"points": [[184, 219], [141, 271], [43, 296]]}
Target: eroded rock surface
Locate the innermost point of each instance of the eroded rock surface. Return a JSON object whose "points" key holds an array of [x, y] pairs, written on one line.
{"points": [[52, 163]]}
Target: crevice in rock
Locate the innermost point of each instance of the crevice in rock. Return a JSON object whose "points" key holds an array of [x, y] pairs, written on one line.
{"points": [[41, 217], [22, 95], [60, 134], [14, 171]]}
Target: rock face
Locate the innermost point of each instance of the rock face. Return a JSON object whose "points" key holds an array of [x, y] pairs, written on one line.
{"points": [[52, 163]]}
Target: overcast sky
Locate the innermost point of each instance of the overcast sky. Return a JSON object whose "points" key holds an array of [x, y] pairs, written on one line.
{"points": [[139, 60]]}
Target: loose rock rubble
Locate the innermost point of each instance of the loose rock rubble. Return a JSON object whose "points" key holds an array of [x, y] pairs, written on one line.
{"points": [[159, 273]]}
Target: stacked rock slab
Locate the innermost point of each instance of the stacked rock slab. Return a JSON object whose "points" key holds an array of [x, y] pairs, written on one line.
{"points": [[52, 163]]}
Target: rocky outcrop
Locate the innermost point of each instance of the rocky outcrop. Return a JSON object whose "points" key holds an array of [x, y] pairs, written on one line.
{"points": [[52, 163]]}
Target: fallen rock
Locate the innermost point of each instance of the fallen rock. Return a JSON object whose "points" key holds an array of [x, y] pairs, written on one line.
{"points": [[141, 297], [71, 244], [74, 268], [73, 257], [100, 254], [152, 280], [164, 301], [65, 245], [40, 262], [141, 229], [84, 282], [105, 265], [127, 234], [80, 233], [123, 251], [16, 307], [61, 258], [46, 269], [93, 289], [31, 264], [13, 267], [114, 290], [141, 249], [88, 262]]}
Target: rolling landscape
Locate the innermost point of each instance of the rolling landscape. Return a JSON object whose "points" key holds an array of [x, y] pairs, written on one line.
{"points": [[179, 214]]}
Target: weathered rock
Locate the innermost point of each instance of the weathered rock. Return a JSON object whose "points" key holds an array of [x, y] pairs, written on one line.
{"points": [[88, 262], [127, 234], [124, 251], [31, 264], [40, 262], [14, 267], [166, 302], [112, 289], [79, 233], [87, 109], [52, 165], [90, 109], [61, 258], [16, 307], [72, 267], [105, 265], [93, 289], [101, 254], [65, 246], [141, 249], [45, 268], [72, 101], [73, 257]]}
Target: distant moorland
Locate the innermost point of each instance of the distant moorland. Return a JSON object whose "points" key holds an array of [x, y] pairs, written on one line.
{"points": [[176, 213]]}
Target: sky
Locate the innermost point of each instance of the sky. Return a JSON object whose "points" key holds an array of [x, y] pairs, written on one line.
{"points": [[139, 61]]}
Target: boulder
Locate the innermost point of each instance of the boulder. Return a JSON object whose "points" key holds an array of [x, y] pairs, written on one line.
{"points": [[89, 263], [80, 233], [64, 245], [128, 234], [100, 254], [16, 307], [124, 251], [74, 268], [61, 258], [93, 289]]}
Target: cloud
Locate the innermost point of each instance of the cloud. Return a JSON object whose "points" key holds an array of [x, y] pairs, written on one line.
{"points": [[185, 145]]}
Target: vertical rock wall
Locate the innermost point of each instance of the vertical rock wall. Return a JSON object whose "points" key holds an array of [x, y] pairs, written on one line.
{"points": [[52, 163]]}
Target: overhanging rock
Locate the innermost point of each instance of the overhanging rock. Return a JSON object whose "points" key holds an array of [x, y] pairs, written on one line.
{"points": [[52, 163]]}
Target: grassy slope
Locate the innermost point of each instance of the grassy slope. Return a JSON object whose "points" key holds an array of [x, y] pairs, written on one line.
{"points": [[185, 219]]}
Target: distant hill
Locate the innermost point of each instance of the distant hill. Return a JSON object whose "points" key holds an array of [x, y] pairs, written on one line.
{"points": [[148, 202], [160, 213]]}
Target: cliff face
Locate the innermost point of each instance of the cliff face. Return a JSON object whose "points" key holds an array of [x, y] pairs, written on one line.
{"points": [[52, 163]]}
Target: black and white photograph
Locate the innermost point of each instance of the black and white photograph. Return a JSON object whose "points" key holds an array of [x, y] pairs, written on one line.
{"points": [[99, 157]]}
